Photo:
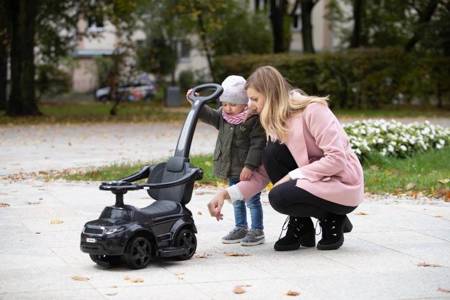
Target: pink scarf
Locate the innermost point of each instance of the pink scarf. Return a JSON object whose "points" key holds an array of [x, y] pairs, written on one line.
{"points": [[235, 119]]}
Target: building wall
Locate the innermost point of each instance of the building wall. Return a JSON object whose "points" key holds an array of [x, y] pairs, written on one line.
{"points": [[84, 75]]}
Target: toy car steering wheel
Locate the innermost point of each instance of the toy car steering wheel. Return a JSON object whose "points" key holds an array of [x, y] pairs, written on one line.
{"points": [[194, 94]]}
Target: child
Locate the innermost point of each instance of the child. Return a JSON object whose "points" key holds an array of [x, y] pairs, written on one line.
{"points": [[238, 152]]}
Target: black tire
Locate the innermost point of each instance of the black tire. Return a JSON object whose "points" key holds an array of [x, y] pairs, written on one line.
{"points": [[106, 261], [138, 253], [186, 238]]}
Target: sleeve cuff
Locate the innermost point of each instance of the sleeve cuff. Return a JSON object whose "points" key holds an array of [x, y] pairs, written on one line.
{"points": [[235, 193], [296, 174]]}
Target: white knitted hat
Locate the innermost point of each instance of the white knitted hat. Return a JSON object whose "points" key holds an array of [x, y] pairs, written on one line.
{"points": [[234, 90]]}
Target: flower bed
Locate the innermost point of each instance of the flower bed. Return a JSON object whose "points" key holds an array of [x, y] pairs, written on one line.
{"points": [[392, 138]]}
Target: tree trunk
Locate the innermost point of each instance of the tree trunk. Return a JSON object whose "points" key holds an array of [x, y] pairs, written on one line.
{"points": [[358, 36], [4, 45], [307, 28], [202, 31], [22, 100], [424, 18], [277, 12]]}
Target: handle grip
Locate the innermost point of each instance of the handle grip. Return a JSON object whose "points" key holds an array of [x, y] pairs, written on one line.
{"points": [[218, 90]]}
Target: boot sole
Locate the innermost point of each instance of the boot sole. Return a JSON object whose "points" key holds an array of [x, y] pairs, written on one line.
{"points": [[294, 247], [333, 246]]}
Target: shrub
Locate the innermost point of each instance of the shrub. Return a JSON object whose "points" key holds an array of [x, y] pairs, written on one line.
{"points": [[368, 78]]}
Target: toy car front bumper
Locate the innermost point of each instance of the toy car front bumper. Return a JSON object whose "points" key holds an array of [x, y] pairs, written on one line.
{"points": [[98, 245]]}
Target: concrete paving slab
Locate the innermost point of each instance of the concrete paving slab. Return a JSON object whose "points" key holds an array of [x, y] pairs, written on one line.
{"points": [[384, 257]]}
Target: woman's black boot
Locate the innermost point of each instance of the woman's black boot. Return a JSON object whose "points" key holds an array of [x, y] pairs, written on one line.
{"points": [[300, 232], [333, 228]]}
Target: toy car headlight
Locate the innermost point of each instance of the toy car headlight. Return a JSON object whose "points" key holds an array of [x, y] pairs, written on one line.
{"points": [[115, 229]]}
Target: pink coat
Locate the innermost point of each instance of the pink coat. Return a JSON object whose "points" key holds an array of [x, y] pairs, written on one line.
{"points": [[321, 149]]}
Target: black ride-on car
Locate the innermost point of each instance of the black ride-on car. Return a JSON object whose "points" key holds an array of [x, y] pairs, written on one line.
{"points": [[165, 228]]}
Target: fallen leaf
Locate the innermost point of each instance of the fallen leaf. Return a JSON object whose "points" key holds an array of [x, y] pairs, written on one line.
{"points": [[204, 255], [292, 293], [410, 186], [80, 278], [199, 213], [126, 278], [438, 216], [2, 205], [111, 294], [443, 290], [113, 286], [444, 181], [137, 280], [425, 264], [238, 290], [236, 254], [56, 221], [361, 213]]}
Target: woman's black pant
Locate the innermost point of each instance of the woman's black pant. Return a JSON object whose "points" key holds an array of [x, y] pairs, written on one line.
{"points": [[289, 199]]}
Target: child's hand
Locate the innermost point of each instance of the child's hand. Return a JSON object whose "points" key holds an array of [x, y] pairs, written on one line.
{"points": [[246, 174], [188, 93]]}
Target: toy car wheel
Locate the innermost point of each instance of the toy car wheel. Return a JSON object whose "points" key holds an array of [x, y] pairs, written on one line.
{"points": [[138, 252], [105, 261], [186, 238]]}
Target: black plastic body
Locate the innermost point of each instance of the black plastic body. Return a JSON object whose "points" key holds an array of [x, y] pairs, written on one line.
{"points": [[170, 183]]}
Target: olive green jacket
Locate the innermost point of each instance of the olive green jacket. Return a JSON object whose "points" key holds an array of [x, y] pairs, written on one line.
{"points": [[237, 145]]}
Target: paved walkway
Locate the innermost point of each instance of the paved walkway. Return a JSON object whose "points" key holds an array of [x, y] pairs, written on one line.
{"points": [[398, 249]]}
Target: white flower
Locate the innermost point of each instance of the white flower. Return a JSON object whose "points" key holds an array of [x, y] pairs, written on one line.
{"points": [[403, 148]]}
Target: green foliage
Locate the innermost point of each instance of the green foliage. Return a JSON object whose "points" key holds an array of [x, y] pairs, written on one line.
{"points": [[392, 23], [243, 33], [51, 80], [367, 78], [186, 80]]}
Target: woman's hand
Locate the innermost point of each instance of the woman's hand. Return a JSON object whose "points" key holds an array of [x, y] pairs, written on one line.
{"points": [[282, 180], [215, 205], [246, 174]]}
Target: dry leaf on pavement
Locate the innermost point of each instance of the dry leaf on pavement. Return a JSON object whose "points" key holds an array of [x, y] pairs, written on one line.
{"points": [[204, 255], [292, 293], [137, 280], [443, 290], [361, 213], [2, 205], [56, 221], [238, 290], [236, 254], [425, 264], [80, 278]]}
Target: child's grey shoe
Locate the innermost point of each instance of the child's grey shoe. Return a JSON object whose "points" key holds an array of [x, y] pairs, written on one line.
{"points": [[235, 235], [254, 237]]}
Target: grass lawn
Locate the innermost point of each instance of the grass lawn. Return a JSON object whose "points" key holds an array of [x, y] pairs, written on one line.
{"points": [[427, 173], [68, 111]]}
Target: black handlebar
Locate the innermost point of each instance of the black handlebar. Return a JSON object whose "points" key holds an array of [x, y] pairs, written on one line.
{"points": [[194, 95]]}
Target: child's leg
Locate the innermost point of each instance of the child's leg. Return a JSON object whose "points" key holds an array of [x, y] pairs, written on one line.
{"points": [[240, 214], [254, 204]]}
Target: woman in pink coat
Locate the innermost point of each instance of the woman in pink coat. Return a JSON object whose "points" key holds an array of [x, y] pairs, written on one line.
{"points": [[308, 159]]}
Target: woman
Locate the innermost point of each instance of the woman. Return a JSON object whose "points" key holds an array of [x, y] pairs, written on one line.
{"points": [[308, 159]]}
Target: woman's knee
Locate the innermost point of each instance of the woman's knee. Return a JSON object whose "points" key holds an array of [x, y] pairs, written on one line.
{"points": [[276, 198]]}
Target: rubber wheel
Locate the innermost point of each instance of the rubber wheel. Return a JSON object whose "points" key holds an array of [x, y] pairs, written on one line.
{"points": [[186, 238], [138, 252], [106, 261]]}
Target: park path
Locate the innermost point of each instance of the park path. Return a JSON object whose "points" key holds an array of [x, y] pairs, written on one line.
{"points": [[33, 148]]}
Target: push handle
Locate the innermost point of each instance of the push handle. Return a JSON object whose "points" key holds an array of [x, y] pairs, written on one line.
{"points": [[194, 95]]}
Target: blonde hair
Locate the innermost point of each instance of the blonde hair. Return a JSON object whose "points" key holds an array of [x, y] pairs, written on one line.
{"points": [[282, 100]]}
